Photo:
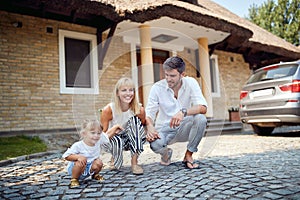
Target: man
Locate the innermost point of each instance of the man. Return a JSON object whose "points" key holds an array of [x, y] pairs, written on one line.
{"points": [[177, 106]]}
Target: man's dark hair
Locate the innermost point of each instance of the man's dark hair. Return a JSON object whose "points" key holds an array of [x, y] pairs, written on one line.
{"points": [[174, 62]]}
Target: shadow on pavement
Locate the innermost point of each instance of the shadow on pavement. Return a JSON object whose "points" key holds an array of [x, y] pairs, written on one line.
{"points": [[292, 133], [268, 175]]}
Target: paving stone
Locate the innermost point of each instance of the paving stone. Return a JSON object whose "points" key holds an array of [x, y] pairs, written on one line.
{"points": [[71, 196], [88, 190], [163, 194], [15, 197], [37, 195], [242, 195], [283, 192], [114, 194], [271, 195], [268, 168], [93, 194], [51, 198], [128, 197]]}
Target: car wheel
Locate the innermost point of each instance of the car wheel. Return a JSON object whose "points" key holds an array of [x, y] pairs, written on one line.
{"points": [[262, 130]]}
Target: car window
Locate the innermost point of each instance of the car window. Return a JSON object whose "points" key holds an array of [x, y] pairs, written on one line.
{"points": [[273, 72]]}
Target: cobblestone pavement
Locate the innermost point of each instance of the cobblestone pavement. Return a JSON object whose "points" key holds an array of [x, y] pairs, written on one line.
{"points": [[233, 166]]}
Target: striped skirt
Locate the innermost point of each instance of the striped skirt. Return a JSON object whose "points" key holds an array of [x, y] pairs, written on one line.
{"points": [[131, 138]]}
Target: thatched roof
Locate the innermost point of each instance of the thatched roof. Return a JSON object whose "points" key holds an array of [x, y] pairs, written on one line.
{"points": [[259, 49], [258, 46], [146, 10], [263, 45]]}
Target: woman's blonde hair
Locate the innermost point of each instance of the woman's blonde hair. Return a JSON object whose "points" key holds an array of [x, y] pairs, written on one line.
{"points": [[89, 125], [134, 104]]}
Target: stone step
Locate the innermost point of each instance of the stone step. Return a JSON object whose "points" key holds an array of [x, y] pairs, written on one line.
{"points": [[216, 126]]}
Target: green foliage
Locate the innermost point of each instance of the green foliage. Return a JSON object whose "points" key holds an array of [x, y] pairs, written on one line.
{"points": [[20, 145], [282, 18]]}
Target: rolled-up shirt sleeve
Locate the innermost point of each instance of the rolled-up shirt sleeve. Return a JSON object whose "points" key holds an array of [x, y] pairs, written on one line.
{"points": [[197, 97]]}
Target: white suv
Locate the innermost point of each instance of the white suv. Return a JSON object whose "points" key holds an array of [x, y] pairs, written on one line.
{"points": [[271, 97]]}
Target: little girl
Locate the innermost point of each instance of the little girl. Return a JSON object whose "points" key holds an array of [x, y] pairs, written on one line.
{"points": [[84, 155]]}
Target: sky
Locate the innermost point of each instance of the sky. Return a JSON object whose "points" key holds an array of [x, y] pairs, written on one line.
{"points": [[239, 7]]}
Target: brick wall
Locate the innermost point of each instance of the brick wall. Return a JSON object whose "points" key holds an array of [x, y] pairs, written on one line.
{"points": [[29, 76], [233, 74]]}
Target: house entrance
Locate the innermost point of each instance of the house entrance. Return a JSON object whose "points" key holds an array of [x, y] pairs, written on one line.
{"points": [[159, 56]]}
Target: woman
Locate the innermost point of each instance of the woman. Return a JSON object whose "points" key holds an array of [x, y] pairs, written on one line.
{"points": [[127, 112]]}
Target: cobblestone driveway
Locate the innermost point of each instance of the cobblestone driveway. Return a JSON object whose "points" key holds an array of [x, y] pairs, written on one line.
{"points": [[236, 166]]}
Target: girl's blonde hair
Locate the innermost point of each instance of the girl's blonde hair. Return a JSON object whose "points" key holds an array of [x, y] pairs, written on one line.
{"points": [[134, 104], [89, 125]]}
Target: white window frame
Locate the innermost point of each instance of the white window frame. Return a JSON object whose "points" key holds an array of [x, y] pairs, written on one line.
{"points": [[216, 77], [94, 89]]}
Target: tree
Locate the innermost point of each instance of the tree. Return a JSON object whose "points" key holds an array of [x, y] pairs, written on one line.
{"points": [[282, 18]]}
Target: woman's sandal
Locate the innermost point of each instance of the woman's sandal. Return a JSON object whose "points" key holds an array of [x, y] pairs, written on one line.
{"points": [[137, 170], [191, 163]]}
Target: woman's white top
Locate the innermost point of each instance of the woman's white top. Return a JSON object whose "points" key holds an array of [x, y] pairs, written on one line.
{"points": [[119, 118]]}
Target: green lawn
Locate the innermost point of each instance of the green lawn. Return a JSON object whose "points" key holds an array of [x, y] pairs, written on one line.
{"points": [[20, 145]]}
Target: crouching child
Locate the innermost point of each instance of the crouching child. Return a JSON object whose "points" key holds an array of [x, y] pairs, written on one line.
{"points": [[84, 155]]}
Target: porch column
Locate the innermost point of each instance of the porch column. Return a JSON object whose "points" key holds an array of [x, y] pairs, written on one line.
{"points": [[146, 61], [205, 74]]}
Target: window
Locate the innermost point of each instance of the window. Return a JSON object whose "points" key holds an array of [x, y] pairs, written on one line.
{"points": [[272, 72], [214, 73], [78, 63]]}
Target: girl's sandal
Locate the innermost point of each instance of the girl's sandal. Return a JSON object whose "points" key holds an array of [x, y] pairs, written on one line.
{"points": [[74, 182], [98, 177]]}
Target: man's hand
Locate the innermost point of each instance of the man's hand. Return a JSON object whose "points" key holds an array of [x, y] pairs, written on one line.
{"points": [[176, 119]]}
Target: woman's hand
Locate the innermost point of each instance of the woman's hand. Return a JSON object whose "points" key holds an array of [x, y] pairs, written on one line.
{"points": [[117, 128], [114, 130], [152, 134]]}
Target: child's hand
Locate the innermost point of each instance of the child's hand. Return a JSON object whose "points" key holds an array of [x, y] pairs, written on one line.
{"points": [[82, 160]]}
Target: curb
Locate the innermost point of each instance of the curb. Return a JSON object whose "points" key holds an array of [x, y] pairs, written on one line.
{"points": [[27, 157]]}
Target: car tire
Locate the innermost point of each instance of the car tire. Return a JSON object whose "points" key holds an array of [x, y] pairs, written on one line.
{"points": [[262, 130]]}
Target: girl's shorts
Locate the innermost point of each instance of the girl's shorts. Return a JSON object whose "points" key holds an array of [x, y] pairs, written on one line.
{"points": [[85, 174]]}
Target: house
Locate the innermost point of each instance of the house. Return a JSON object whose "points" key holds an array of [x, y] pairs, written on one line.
{"points": [[60, 59]]}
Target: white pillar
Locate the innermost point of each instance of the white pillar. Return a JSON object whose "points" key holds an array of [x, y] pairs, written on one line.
{"points": [[146, 61], [205, 74]]}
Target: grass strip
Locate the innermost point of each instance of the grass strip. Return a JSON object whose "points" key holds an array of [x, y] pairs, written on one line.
{"points": [[14, 146]]}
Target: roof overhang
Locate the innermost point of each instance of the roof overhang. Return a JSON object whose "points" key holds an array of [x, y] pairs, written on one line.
{"points": [[88, 13], [224, 30], [182, 34], [184, 18]]}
